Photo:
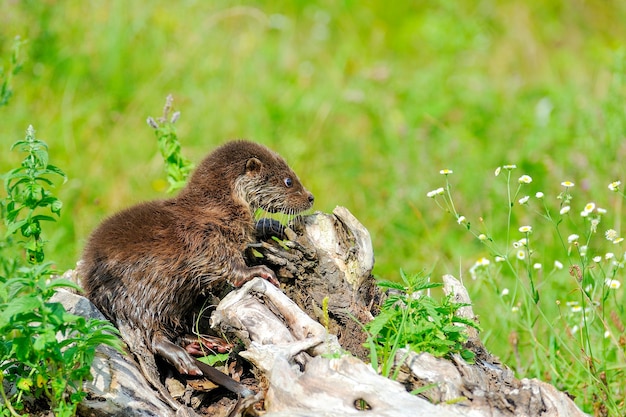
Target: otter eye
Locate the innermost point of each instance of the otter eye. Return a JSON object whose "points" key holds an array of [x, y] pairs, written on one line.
{"points": [[288, 182]]}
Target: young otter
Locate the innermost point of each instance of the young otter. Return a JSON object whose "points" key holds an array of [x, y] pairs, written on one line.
{"points": [[146, 266]]}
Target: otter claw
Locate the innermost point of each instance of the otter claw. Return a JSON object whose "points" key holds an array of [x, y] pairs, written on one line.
{"points": [[272, 280], [261, 271]]}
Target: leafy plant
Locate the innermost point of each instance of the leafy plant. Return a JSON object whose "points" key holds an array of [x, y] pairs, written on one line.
{"points": [[45, 352], [27, 193], [413, 319], [176, 165]]}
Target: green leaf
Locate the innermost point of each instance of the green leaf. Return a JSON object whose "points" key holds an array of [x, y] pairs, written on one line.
{"points": [[42, 217], [41, 156], [213, 359], [13, 227], [52, 169], [375, 326], [18, 305], [391, 284]]}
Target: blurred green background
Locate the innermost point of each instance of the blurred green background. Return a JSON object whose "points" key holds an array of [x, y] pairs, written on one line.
{"points": [[367, 100]]}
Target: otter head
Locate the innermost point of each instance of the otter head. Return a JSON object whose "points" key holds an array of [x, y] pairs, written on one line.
{"points": [[266, 181]]}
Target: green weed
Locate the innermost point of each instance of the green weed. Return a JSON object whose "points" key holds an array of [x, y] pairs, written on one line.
{"points": [[45, 352], [411, 318], [176, 165]]}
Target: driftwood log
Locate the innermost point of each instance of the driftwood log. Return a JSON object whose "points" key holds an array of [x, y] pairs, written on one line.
{"points": [[299, 367]]}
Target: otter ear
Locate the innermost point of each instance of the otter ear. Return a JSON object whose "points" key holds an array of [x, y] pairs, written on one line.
{"points": [[253, 165]]}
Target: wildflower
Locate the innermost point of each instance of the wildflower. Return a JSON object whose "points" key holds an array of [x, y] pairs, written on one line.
{"points": [[576, 309], [614, 186], [558, 265], [611, 235], [597, 259], [499, 259], [460, 220], [482, 237], [514, 309], [505, 291], [497, 171], [433, 193], [571, 303], [572, 238], [539, 195], [600, 210], [594, 225], [520, 243], [521, 255], [537, 266], [618, 240], [609, 255], [509, 167], [526, 229], [612, 283], [583, 250], [607, 334], [575, 329], [524, 200], [525, 179], [446, 171], [567, 184], [584, 213], [589, 207], [482, 262], [565, 210]]}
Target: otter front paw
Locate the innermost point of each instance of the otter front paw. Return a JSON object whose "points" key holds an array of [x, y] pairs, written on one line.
{"points": [[198, 345]]}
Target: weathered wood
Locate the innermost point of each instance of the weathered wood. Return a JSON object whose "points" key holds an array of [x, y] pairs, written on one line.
{"points": [[304, 368], [118, 387], [333, 257]]}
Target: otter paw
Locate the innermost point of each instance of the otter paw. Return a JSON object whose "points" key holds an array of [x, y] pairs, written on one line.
{"points": [[198, 345]]}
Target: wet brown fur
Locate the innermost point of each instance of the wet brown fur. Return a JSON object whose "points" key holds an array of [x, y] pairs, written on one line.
{"points": [[146, 266]]}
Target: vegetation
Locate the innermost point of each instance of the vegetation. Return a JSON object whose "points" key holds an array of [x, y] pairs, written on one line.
{"points": [[411, 318], [177, 166], [580, 333], [33, 360], [369, 101]]}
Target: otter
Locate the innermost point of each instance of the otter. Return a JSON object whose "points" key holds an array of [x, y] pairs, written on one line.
{"points": [[147, 266]]}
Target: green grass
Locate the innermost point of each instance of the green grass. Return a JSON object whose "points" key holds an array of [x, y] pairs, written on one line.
{"points": [[366, 100]]}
